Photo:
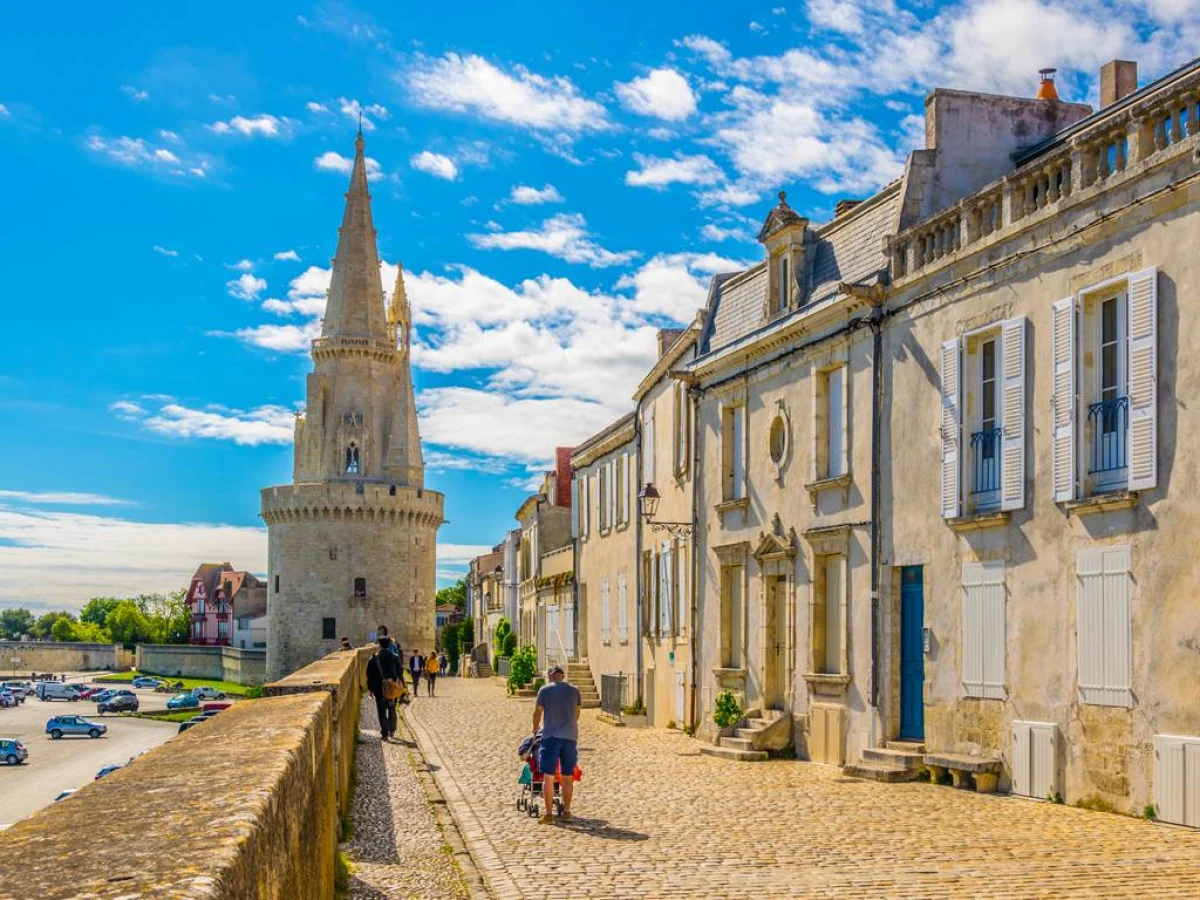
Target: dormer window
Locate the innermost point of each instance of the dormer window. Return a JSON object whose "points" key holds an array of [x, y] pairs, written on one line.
{"points": [[352, 463], [782, 236], [783, 286]]}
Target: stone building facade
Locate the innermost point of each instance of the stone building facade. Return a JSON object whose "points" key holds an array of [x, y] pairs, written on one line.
{"points": [[352, 541], [545, 527]]}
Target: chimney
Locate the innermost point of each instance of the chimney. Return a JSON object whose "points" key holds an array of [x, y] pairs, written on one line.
{"points": [[1047, 90], [563, 473], [1118, 79], [844, 206]]}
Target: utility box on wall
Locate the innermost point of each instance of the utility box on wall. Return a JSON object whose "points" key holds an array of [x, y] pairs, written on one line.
{"points": [[1035, 759], [1177, 779]]}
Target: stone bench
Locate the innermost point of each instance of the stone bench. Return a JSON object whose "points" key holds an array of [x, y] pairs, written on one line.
{"points": [[984, 769]]}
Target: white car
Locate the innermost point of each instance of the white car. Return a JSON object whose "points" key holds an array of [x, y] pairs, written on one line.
{"points": [[207, 693]]}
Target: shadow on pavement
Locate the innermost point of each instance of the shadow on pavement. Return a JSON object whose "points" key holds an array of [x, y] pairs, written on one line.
{"points": [[374, 827], [601, 829]]}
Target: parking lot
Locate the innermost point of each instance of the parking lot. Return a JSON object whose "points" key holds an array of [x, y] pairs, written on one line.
{"points": [[54, 766]]}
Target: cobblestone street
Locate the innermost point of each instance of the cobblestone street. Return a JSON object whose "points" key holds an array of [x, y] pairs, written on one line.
{"points": [[654, 818]]}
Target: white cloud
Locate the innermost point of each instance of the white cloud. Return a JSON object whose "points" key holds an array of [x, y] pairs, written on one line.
{"points": [[434, 164], [281, 338], [714, 232], [61, 498], [53, 560], [564, 236], [524, 195], [705, 47], [127, 409], [755, 26], [737, 194], [246, 287], [291, 255], [329, 161], [471, 84], [169, 136], [314, 107], [139, 153], [355, 112], [265, 125], [164, 251], [658, 173], [663, 93], [266, 424], [134, 94], [4, 113], [242, 265], [675, 285], [778, 10]]}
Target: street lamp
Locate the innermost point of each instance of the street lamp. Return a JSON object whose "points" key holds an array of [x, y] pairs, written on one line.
{"points": [[648, 498]]}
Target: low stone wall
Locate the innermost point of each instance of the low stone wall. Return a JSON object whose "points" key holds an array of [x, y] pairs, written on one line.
{"points": [[50, 656], [196, 661], [245, 805]]}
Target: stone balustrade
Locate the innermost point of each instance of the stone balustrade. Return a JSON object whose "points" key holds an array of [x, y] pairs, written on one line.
{"points": [[245, 805], [1100, 154]]}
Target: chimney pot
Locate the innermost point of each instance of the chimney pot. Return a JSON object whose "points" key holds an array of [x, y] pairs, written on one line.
{"points": [[844, 206], [1118, 79], [1047, 90]]}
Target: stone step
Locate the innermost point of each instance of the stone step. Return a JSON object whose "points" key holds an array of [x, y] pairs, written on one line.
{"points": [[748, 734], [906, 746], [901, 758], [873, 771], [590, 704], [737, 743], [738, 755]]}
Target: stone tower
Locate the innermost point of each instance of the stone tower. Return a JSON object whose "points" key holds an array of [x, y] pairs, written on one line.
{"points": [[352, 541]]}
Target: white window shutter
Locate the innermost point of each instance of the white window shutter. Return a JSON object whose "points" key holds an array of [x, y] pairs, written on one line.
{"points": [[683, 604], [739, 452], [604, 610], [972, 629], [612, 493], [1169, 779], [993, 644], [951, 429], [1103, 627], [622, 611], [1089, 625], [574, 507], [1143, 379], [668, 567], [626, 490], [648, 445], [1062, 318], [1021, 759], [1012, 460], [583, 506]]}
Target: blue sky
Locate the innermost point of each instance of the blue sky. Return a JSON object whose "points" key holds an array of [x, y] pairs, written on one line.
{"points": [[558, 182]]}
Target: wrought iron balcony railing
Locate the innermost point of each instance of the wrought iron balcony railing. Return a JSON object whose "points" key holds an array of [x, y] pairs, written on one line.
{"points": [[1108, 422], [985, 450]]}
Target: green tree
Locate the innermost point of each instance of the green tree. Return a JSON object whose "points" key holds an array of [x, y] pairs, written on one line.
{"points": [[503, 629], [449, 638], [466, 636], [455, 594], [168, 616], [16, 623], [41, 628], [128, 624], [90, 633], [63, 628], [97, 609]]}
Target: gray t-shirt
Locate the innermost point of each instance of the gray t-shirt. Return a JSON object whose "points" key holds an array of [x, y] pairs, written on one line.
{"points": [[559, 703]]}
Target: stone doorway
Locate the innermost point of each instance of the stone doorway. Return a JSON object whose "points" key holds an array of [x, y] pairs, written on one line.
{"points": [[775, 641]]}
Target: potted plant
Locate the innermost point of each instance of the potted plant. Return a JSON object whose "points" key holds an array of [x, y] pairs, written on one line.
{"points": [[727, 714]]}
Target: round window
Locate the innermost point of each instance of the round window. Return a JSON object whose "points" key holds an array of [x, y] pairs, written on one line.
{"points": [[778, 439]]}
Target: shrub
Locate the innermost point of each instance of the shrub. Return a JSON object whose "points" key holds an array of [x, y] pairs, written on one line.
{"points": [[521, 668], [254, 693], [1150, 812], [503, 630], [510, 645], [466, 636], [727, 712]]}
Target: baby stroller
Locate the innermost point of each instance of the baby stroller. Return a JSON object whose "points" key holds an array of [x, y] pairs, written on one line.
{"points": [[531, 781]]}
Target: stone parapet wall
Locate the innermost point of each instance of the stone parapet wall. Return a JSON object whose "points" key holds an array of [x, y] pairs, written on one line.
{"points": [[351, 500], [51, 656], [258, 789], [234, 664]]}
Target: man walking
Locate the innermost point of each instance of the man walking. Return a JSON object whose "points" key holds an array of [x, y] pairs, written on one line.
{"points": [[416, 668], [556, 712], [384, 681]]}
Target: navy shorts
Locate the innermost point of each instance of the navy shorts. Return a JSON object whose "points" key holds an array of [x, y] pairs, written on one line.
{"points": [[555, 751]]}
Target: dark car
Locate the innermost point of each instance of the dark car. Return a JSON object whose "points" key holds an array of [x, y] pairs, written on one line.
{"points": [[118, 703], [190, 723]]}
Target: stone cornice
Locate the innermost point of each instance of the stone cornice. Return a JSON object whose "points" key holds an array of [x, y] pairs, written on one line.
{"points": [[617, 434]]}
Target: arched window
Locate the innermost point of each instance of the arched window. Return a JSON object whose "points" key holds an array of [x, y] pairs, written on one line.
{"points": [[360, 587], [352, 459]]}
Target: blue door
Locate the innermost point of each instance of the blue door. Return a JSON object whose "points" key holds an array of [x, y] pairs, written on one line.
{"points": [[912, 654]]}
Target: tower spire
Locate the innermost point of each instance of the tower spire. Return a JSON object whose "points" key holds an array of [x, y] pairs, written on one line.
{"points": [[355, 305]]}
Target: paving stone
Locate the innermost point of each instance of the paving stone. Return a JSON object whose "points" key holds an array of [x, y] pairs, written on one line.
{"points": [[654, 818]]}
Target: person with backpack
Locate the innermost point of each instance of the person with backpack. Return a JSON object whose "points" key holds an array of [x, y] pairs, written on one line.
{"points": [[432, 668], [385, 681], [416, 668]]}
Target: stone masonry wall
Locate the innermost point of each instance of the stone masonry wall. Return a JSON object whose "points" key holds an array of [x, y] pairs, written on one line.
{"points": [[218, 663], [48, 656], [261, 784]]}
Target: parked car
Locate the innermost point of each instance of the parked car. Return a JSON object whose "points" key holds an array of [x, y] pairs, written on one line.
{"points": [[56, 690], [184, 701], [58, 726], [109, 693], [65, 794], [118, 703], [216, 707], [7, 699], [203, 692], [89, 691], [17, 688], [12, 752], [146, 681], [184, 726], [108, 770]]}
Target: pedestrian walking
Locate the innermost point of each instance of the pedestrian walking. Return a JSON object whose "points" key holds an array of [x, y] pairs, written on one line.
{"points": [[392, 645], [346, 644], [443, 663], [432, 668], [385, 681], [556, 712], [416, 668]]}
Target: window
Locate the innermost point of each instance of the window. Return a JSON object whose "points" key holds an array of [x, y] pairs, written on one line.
{"points": [[983, 630], [622, 608], [360, 587], [648, 443], [605, 612], [197, 629], [683, 600], [666, 584], [731, 617], [585, 511], [200, 605], [983, 420], [622, 488], [778, 439], [783, 289], [828, 620], [1105, 345], [329, 629], [277, 584], [352, 459], [733, 452], [602, 498], [223, 629], [683, 428], [1104, 626], [576, 484]]}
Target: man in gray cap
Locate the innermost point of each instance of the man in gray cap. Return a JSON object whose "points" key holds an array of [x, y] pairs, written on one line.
{"points": [[558, 704]]}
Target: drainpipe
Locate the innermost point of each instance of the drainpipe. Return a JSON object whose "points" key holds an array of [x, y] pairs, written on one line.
{"points": [[694, 394], [876, 467], [637, 557]]}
